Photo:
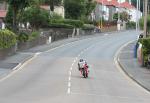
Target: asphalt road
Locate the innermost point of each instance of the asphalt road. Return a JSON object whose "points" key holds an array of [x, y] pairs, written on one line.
{"points": [[52, 77]]}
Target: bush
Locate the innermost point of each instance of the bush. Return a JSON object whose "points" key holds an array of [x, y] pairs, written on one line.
{"points": [[7, 39], [74, 23], [24, 37], [146, 48], [59, 25], [88, 27], [55, 16], [33, 35], [131, 25], [148, 23]]}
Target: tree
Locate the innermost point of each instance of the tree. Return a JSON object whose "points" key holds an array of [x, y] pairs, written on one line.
{"points": [[124, 16], [90, 5], [35, 16], [17, 5], [74, 9]]}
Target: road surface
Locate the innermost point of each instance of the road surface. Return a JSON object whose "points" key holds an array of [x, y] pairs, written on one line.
{"points": [[52, 77]]}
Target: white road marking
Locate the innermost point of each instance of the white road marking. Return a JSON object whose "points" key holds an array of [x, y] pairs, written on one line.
{"points": [[69, 73], [69, 78], [68, 91], [71, 68], [69, 84]]}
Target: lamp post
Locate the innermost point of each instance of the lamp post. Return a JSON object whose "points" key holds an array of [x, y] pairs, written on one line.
{"points": [[137, 9], [102, 16], [145, 19], [118, 22]]}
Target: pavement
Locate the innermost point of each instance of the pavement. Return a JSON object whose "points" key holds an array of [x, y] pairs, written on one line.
{"points": [[132, 68]]}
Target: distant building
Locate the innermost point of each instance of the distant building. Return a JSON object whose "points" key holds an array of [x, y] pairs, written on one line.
{"points": [[57, 9], [107, 8], [3, 12]]}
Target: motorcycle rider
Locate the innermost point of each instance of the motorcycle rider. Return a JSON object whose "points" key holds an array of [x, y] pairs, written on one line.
{"points": [[81, 64]]}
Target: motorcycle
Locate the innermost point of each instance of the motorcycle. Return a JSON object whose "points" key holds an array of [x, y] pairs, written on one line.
{"points": [[85, 72]]}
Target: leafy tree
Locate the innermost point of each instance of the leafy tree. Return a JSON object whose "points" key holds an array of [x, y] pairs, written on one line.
{"points": [[74, 9], [17, 5], [124, 16], [90, 5], [148, 24], [35, 16]]}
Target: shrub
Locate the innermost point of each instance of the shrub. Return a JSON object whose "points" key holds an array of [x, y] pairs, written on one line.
{"points": [[74, 23], [88, 27], [7, 39], [33, 35], [23, 37], [55, 16], [148, 23], [131, 25], [59, 25], [146, 48]]}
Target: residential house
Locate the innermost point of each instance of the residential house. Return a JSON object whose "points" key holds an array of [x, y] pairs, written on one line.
{"points": [[3, 12], [107, 8], [57, 9]]}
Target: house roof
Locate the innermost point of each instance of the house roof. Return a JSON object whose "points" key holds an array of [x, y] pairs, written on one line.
{"points": [[126, 5], [115, 3], [3, 13], [109, 2]]}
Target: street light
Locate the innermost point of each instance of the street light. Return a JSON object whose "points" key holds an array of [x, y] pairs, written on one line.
{"points": [[118, 22], [145, 19]]}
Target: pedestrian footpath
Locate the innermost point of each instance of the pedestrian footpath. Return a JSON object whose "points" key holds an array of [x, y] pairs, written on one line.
{"points": [[132, 68]]}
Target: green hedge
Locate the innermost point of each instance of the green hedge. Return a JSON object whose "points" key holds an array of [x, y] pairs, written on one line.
{"points": [[88, 27], [73, 23], [60, 25], [24, 37], [148, 23], [131, 25], [146, 48], [7, 39]]}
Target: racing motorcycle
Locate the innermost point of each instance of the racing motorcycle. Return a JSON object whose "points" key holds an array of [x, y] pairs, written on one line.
{"points": [[85, 71]]}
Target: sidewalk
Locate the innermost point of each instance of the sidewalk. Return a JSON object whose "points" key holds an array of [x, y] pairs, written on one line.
{"points": [[130, 66]]}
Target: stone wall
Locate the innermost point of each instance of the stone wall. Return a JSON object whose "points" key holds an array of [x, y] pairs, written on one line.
{"points": [[7, 52], [29, 44]]}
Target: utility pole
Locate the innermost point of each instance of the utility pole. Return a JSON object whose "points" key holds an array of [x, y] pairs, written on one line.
{"points": [[137, 12], [145, 19]]}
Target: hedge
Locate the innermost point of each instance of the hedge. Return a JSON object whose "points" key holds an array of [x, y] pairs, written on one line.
{"points": [[60, 25], [24, 37], [88, 27], [131, 25], [7, 39], [74, 23], [146, 48]]}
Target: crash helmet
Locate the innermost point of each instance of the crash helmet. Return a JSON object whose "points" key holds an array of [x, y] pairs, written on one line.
{"points": [[81, 60]]}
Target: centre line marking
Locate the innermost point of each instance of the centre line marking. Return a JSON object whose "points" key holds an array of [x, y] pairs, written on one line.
{"points": [[69, 78], [70, 73], [68, 91], [69, 84]]}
